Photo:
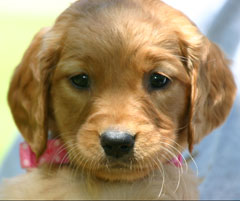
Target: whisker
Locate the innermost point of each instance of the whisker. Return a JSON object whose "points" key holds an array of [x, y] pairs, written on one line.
{"points": [[180, 170], [190, 156], [161, 169], [178, 153], [76, 167], [61, 148]]}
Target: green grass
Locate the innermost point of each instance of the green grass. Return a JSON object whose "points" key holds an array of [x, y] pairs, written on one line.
{"points": [[16, 32]]}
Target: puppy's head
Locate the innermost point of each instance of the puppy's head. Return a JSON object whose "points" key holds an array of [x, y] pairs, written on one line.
{"points": [[126, 85]]}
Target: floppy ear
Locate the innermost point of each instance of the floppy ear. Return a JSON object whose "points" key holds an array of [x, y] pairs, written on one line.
{"points": [[28, 93], [212, 91]]}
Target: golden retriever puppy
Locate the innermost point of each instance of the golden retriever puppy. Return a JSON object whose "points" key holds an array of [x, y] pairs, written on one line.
{"points": [[126, 85]]}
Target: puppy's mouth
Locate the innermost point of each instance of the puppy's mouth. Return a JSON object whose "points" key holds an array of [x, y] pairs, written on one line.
{"points": [[119, 166], [114, 164], [121, 170]]}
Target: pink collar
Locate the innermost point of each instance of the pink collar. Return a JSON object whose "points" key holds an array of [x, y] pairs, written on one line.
{"points": [[56, 154], [177, 161]]}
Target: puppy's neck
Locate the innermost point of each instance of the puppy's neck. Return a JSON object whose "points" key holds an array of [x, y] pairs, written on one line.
{"points": [[56, 154]]}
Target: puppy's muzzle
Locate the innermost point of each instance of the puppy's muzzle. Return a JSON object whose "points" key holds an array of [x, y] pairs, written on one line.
{"points": [[117, 143]]}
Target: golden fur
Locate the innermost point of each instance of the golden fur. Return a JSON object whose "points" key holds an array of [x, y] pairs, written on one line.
{"points": [[118, 44]]}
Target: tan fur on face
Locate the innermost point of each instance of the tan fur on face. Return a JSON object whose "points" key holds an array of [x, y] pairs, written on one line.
{"points": [[119, 44], [119, 97]]}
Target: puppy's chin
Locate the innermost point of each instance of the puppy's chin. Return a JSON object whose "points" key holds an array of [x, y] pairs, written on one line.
{"points": [[119, 174], [116, 172]]}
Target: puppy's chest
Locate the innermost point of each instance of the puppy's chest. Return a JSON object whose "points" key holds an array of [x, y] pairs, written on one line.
{"points": [[66, 184], [88, 188]]}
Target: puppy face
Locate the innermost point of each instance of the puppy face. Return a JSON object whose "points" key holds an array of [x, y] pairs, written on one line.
{"points": [[126, 85], [136, 87]]}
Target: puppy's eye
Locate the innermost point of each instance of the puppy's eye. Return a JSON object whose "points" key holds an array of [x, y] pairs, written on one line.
{"points": [[80, 81], [158, 81]]}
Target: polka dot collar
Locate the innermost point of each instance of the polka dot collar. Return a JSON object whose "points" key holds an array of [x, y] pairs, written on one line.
{"points": [[54, 154]]}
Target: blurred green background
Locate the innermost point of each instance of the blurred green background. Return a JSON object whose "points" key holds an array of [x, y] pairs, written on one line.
{"points": [[19, 21]]}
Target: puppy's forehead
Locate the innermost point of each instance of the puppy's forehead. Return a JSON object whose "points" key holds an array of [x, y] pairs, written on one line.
{"points": [[116, 32]]}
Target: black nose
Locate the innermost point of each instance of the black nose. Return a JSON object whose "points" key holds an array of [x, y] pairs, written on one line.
{"points": [[117, 143]]}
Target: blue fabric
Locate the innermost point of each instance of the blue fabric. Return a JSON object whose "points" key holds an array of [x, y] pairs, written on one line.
{"points": [[11, 164], [218, 158]]}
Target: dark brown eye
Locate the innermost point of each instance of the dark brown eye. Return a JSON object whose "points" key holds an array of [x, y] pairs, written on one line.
{"points": [[80, 81], [158, 81]]}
